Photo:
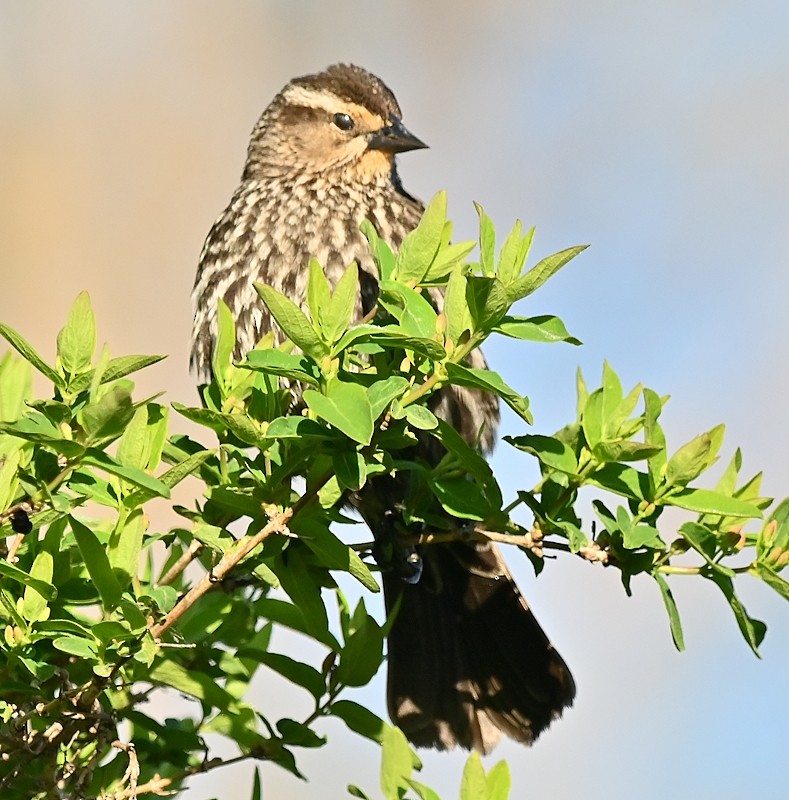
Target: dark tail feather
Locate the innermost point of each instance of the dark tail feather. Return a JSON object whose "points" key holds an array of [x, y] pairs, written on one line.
{"points": [[467, 658]]}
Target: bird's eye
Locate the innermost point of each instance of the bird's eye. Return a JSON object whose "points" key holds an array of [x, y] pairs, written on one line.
{"points": [[343, 122]]}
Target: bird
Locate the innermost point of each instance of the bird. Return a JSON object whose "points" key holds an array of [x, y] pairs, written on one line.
{"points": [[467, 659]]}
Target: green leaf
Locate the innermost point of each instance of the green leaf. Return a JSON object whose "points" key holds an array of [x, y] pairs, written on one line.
{"points": [[125, 544], [704, 542], [333, 553], [471, 459], [499, 781], [420, 246], [126, 365], [383, 392], [291, 616], [184, 468], [636, 536], [550, 451], [396, 763], [132, 448], [107, 418], [298, 427], [593, 418], [350, 469], [158, 420], [58, 414], [240, 425], [299, 734], [576, 538], [382, 254], [390, 337], [9, 478], [75, 646], [77, 340], [456, 308], [612, 400], [771, 578], [292, 320], [622, 480], [203, 686], [639, 536], [653, 434], [97, 563], [343, 303], [752, 630], [295, 671], [172, 477], [165, 597], [222, 356], [34, 606], [318, 294], [109, 630], [357, 334], [583, 394], [422, 792], [35, 427], [239, 722], [62, 626], [346, 406], [541, 272], [488, 301], [16, 380], [474, 786], [448, 258], [134, 616], [487, 242], [288, 365], [705, 501], [671, 609], [28, 352], [46, 590], [98, 458], [40, 671], [330, 494], [513, 255], [773, 541], [618, 422], [202, 619], [694, 457], [359, 719], [545, 328], [257, 788], [728, 481], [303, 590], [461, 498], [113, 369], [362, 654], [490, 381], [411, 309], [624, 450], [421, 417]]}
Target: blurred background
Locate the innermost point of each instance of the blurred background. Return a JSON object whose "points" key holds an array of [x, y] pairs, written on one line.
{"points": [[656, 131]]}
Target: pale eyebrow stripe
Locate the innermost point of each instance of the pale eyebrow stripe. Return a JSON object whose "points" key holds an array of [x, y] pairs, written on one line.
{"points": [[325, 101], [301, 96]]}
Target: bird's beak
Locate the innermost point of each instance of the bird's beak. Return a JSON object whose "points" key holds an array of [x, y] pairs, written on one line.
{"points": [[394, 138]]}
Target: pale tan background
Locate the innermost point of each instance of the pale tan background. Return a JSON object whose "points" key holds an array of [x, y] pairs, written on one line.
{"points": [[656, 131]]}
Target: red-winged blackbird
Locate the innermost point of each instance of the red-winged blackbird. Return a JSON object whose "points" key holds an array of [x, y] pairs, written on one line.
{"points": [[467, 659]]}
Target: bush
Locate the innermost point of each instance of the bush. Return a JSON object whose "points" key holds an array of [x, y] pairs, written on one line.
{"points": [[101, 612]]}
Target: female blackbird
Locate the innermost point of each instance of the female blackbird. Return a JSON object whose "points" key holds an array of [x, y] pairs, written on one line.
{"points": [[467, 660]]}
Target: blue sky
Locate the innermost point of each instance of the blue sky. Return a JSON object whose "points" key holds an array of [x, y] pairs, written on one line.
{"points": [[657, 132]]}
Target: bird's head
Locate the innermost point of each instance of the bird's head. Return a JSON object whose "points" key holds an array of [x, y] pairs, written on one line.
{"points": [[343, 121]]}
